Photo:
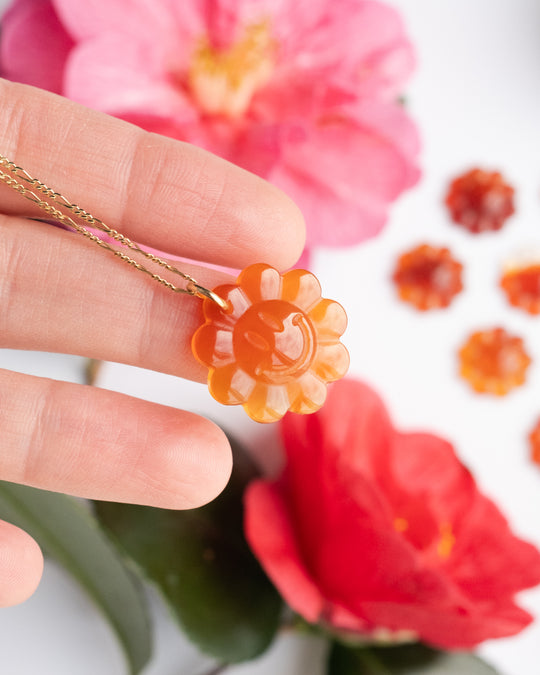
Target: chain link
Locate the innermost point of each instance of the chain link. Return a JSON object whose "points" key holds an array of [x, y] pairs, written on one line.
{"points": [[15, 177]]}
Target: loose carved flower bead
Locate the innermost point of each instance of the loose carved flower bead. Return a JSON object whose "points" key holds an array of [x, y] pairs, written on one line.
{"points": [[521, 283], [493, 361], [428, 277], [480, 200], [534, 439]]}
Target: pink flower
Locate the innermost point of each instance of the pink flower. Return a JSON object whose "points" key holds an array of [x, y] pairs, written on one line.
{"points": [[374, 531], [302, 92]]}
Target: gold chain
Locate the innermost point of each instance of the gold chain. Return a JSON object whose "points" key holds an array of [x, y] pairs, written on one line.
{"points": [[13, 172]]}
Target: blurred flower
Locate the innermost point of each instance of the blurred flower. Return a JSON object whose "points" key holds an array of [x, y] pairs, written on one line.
{"points": [[277, 346], [521, 283], [494, 361], [428, 277], [373, 531], [302, 92], [480, 201]]}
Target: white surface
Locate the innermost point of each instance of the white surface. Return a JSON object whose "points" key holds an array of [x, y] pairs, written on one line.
{"points": [[476, 97]]}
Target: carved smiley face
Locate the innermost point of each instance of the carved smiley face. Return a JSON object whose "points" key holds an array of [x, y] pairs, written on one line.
{"points": [[273, 341]]}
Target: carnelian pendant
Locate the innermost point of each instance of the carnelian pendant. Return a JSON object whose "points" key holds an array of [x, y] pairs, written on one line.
{"points": [[275, 347]]}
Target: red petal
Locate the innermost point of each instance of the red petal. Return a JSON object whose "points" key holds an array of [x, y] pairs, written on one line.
{"points": [[488, 560], [451, 627], [269, 532]]}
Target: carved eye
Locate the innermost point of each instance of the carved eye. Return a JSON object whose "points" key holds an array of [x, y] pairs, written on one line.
{"points": [[271, 321], [256, 340]]}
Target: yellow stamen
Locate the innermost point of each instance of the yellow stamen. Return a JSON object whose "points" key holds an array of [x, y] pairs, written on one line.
{"points": [[401, 525], [224, 81], [446, 542]]}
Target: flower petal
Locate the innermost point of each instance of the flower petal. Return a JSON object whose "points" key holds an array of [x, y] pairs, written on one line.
{"points": [[327, 455], [331, 361], [508, 564], [120, 76], [353, 45], [301, 288], [307, 394], [390, 122], [267, 402], [344, 177], [34, 45], [453, 626], [213, 346], [137, 18], [270, 534], [230, 385], [260, 282], [329, 319], [238, 303]]}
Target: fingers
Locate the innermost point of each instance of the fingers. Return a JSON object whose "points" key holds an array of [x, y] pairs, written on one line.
{"points": [[103, 445], [21, 565], [61, 293], [161, 192]]}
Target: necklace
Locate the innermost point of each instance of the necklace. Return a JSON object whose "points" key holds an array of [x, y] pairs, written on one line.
{"points": [[270, 341]]}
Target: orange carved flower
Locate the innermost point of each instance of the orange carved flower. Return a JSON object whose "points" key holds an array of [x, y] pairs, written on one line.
{"points": [[277, 345], [494, 361], [521, 283], [428, 277], [534, 440]]}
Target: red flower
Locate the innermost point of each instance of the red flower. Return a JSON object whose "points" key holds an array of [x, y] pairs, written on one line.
{"points": [[369, 528]]}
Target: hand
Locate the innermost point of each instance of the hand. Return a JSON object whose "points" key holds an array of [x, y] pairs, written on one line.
{"points": [[60, 293]]}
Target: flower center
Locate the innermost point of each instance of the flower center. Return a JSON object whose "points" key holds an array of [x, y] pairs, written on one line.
{"points": [[446, 540], [274, 341], [223, 81]]}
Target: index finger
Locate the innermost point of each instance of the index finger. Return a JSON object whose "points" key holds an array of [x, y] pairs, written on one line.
{"points": [[160, 192]]}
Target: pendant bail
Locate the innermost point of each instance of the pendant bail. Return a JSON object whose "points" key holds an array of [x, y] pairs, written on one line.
{"points": [[193, 288]]}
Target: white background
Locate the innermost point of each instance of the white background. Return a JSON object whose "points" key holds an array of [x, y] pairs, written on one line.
{"points": [[476, 98]]}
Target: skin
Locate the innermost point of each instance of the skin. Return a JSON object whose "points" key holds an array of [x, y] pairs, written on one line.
{"points": [[60, 293]]}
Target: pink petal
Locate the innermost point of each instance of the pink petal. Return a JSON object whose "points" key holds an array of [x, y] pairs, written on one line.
{"points": [[34, 45], [119, 76], [343, 176], [269, 532], [391, 122], [357, 44], [139, 19]]}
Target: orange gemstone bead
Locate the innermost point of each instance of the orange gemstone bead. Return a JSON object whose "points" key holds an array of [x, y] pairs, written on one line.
{"points": [[428, 277], [534, 438], [522, 287], [480, 200], [276, 347], [493, 361]]}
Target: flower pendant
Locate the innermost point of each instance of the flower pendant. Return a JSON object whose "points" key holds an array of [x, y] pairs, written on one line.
{"points": [[275, 347]]}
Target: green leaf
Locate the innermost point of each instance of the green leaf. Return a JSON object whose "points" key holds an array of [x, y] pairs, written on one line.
{"points": [[67, 532], [202, 564], [415, 659]]}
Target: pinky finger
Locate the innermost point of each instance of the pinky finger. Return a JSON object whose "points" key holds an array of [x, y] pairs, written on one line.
{"points": [[21, 565]]}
